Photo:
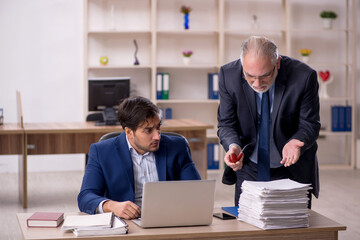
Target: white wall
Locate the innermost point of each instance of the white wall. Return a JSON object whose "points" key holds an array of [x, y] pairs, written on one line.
{"points": [[41, 54]]}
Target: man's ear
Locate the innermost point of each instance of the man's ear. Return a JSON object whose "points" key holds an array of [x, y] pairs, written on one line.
{"points": [[278, 63], [129, 133]]}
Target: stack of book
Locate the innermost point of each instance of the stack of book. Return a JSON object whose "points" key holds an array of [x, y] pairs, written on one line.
{"points": [[95, 225], [275, 204]]}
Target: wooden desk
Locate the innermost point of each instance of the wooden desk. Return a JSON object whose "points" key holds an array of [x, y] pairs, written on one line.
{"points": [[67, 138], [12, 143], [320, 228]]}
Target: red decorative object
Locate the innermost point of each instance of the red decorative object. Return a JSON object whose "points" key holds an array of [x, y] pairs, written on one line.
{"points": [[324, 75]]}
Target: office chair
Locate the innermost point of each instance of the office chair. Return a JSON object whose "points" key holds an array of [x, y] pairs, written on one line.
{"points": [[114, 134], [95, 117]]}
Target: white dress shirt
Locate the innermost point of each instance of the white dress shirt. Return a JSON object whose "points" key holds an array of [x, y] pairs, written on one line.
{"points": [[144, 167]]}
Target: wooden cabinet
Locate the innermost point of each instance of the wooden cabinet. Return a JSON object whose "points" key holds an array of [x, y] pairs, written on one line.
{"points": [[217, 28]]}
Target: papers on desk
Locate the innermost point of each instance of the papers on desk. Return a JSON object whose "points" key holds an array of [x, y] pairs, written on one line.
{"points": [[94, 225], [274, 204]]}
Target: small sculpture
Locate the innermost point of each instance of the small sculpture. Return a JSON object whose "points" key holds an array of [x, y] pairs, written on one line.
{"points": [[136, 50], [326, 78]]}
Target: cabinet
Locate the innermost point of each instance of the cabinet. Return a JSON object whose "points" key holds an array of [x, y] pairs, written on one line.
{"points": [[217, 27]]}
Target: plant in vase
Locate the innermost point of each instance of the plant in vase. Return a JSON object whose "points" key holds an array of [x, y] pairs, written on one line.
{"points": [[328, 17], [186, 11], [186, 56], [305, 54]]}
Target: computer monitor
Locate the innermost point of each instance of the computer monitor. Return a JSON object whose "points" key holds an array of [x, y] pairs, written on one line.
{"points": [[105, 94]]}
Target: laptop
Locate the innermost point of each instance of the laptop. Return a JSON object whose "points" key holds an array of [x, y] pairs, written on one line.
{"points": [[177, 203]]}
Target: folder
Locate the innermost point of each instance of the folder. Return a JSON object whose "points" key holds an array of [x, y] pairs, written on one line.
{"points": [[165, 85], [159, 86], [213, 86]]}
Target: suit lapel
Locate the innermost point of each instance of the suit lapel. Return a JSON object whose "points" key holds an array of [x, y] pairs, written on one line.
{"points": [[125, 157], [278, 95], [250, 100], [160, 159]]}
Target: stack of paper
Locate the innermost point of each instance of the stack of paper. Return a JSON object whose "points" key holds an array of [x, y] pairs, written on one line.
{"points": [[274, 204], [91, 225]]}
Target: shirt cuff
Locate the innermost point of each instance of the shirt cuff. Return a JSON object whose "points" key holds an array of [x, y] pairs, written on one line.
{"points": [[234, 144], [99, 208]]}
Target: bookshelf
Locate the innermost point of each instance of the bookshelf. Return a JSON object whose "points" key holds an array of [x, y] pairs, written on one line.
{"points": [[217, 27]]}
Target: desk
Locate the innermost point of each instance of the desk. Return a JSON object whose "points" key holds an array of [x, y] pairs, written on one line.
{"points": [[12, 142], [67, 138], [320, 228]]}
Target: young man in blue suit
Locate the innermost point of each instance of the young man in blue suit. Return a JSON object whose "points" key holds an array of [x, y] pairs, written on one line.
{"points": [[286, 147], [118, 167]]}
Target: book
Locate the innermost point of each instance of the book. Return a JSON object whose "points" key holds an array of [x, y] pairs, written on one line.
{"points": [[118, 227], [88, 222], [45, 219]]}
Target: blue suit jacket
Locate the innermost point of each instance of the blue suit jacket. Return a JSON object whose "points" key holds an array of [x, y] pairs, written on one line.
{"points": [[109, 173], [295, 115]]}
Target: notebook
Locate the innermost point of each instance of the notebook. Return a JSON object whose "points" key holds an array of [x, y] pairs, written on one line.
{"points": [[177, 203]]}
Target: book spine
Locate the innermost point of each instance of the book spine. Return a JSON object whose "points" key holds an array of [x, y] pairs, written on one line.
{"points": [[215, 86], [159, 86], [209, 152], [210, 86], [165, 85], [341, 118], [335, 118], [348, 114], [168, 113], [216, 155]]}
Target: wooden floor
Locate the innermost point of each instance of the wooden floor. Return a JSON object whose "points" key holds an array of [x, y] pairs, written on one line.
{"points": [[339, 197]]}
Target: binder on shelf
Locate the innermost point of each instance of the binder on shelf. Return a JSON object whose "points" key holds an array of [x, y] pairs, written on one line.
{"points": [[334, 118], [159, 86], [213, 155], [213, 86], [165, 85], [168, 113], [348, 111], [341, 118]]}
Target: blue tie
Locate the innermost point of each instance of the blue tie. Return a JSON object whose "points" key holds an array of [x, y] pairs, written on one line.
{"points": [[264, 140]]}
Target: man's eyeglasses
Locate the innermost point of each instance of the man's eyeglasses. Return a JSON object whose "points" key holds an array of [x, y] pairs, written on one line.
{"points": [[263, 77]]}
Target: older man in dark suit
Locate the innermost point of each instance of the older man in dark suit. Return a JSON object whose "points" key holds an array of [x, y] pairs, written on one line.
{"points": [[270, 104]]}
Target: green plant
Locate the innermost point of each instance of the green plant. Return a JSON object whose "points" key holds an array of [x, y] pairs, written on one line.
{"points": [[328, 14]]}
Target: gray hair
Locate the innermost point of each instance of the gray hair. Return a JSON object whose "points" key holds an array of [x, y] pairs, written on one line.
{"points": [[260, 46]]}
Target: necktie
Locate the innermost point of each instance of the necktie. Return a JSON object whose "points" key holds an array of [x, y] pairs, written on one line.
{"points": [[264, 140]]}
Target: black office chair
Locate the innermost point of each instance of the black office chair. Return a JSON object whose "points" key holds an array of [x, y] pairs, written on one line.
{"points": [[95, 117], [114, 134]]}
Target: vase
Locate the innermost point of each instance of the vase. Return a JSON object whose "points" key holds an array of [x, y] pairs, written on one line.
{"points": [[186, 60], [305, 59], [186, 21], [327, 23]]}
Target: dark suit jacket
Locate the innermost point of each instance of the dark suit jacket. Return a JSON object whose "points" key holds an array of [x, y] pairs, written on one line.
{"points": [[295, 115], [109, 173]]}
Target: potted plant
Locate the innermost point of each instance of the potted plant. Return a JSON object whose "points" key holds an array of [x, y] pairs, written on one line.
{"points": [[305, 54], [186, 56], [328, 17]]}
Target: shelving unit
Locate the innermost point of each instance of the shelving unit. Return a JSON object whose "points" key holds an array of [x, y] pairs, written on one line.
{"points": [[217, 28]]}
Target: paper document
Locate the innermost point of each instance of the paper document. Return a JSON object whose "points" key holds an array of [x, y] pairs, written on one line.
{"points": [[274, 204]]}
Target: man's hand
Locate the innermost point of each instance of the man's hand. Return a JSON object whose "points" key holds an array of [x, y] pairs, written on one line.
{"points": [[234, 149], [126, 210], [291, 152]]}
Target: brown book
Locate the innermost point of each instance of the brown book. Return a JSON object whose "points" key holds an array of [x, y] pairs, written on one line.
{"points": [[45, 219]]}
